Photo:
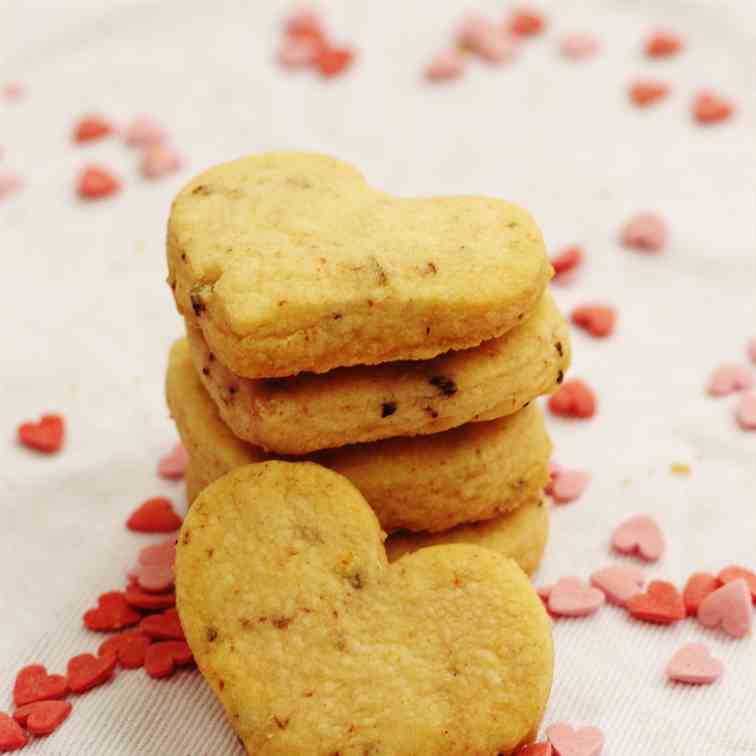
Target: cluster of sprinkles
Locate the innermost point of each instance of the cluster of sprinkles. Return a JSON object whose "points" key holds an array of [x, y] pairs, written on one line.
{"points": [[141, 621]]}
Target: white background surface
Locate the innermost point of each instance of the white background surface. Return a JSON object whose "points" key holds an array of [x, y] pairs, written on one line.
{"points": [[88, 317]]}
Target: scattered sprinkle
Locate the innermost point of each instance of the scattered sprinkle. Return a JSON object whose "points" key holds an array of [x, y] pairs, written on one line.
{"points": [[709, 108], [639, 535], [91, 128], [573, 399], [729, 607], [663, 44], [728, 379], [585, 741], [694, 664], [96, 182], [46, 435], [579, 46], [661, 604], [647, 92], [596, 319], [155, 515], [646, 232], [573, 597]]}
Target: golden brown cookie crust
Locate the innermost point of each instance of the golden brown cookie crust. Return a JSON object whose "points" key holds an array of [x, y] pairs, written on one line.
{"points": [[470, 473], [315, 645], [367, 403], [520, 535], [290, 262]]}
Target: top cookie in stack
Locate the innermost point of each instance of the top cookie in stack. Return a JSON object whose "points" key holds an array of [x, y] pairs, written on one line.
{"points": [[289, 264]]}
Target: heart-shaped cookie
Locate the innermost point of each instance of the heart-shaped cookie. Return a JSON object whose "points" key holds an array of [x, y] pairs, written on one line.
{"points": [[314, 644], [290, 262]]}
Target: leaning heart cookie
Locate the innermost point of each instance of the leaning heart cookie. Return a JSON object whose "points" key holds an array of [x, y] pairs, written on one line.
{"points": [[290, 262], [365, 403], [314, 644]]}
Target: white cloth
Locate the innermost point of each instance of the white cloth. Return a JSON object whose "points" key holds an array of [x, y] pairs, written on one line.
{"points": [[89, 319]]}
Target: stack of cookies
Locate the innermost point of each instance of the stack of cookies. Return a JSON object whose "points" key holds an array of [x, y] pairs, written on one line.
{"points": [[399, 342]]}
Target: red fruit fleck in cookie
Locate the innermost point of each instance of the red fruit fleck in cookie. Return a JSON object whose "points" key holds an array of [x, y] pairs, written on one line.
{"points": [[87, 671], [736, 572], [113, 612], [661, 604], [165, 626], [42, 717], [596, 319], [34, 684], [645, 93], [698, 587], [155, 515], [663, 44], [526, 22], [46, 435], [709, 108], [11, 735], [149, 601], [162, 658], [92, 127], [96, 182], [128, 648], [574, 399], [334, 61]]}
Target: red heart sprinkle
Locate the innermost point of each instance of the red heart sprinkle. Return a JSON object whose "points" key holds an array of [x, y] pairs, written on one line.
{"points": [[92, 127], [162, 658], [662, 44], [645, 93], [710, 108], [155, 515], [661, 604], [95, 182], [698, 587], [45, 436], [113, 612], [87, 671], [597, 319], [573, 398], [165, 626], [34, 684], [535, 749], [11, 735], [128, 648], [333, 61], [736, 572], [149, 601], [526, 22], [568, 259], [42, 717]]}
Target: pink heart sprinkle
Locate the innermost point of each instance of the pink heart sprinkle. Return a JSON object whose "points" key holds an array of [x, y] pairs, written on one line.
{"points": [[695, 665], [14, 91], [158, 554], [568, 485], [304, 20], [646, 232], [159, 160], [727, 379], [173, 464], [298, 52], [639, 535], [145, 131], [586, 741], [745, 412], [752, 349], [473, 29], [445, 65], [10, 183], [573, 597], [154, 578], [619, 582], [578, 46], [729, 606]]}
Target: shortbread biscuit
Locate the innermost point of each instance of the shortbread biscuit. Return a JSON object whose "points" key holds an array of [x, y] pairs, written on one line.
{"points": [[290, 262], [366, 403], [520, 535], [470, 473], [314, 644]]}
